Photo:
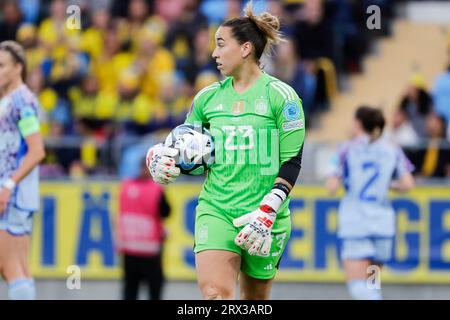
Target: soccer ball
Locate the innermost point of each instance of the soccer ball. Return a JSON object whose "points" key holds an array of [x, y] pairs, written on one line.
{"points": [[196, 146]]}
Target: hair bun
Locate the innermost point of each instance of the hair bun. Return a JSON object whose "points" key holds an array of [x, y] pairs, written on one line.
{"points": [[261, 30], [270, 20], [267, 23]]}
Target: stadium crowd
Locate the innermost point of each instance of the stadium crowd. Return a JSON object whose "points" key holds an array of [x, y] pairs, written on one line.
{"points": [[132, 67], [421, 125]]}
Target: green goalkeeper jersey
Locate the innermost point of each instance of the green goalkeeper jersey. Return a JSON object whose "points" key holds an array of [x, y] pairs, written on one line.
{"points": [[254, 132]]}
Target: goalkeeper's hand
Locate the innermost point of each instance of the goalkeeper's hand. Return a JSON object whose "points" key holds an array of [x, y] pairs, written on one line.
{"points": [[161, 163], [256, 236]]}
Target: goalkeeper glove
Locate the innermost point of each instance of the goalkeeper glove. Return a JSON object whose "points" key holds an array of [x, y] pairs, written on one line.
{"points": [[161, 163], [256, 236]]}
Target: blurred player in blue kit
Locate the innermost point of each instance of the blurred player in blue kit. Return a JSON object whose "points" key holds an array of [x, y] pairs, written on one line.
{"points": [[368, 166], [21, 150]]}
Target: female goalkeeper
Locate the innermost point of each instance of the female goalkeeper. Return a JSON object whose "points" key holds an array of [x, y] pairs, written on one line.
{"points": [[242, 219]]}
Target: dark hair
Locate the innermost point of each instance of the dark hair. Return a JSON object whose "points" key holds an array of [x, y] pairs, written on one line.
{"points": [[424, 102], [442, 123], [262, 31], [17, 53], [371, 119]]}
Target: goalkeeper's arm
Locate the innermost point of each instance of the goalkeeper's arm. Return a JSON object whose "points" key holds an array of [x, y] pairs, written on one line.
{"points": [[256, 235], [289, 171], [285, 180]]}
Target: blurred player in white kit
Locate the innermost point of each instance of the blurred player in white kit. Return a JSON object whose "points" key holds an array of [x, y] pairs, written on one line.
{"points": [[21, 150], [368, 166]]}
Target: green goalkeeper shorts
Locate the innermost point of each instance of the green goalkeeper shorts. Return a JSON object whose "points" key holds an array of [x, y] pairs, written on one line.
{"points": [[215, 231]]}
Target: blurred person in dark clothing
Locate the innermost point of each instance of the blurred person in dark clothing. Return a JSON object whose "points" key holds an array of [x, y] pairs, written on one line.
{"points": [[417, 104], [289, 68], [119, 8], [314, 32], [433, 160], [142, 207], [200, 60], [10, 20], [350, 34], [286, 11], [181, 35]]}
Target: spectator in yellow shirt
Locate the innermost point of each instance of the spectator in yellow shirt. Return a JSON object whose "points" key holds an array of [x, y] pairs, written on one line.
{"points": [[137, 113], [36, 54], [53, 31], [111, 62], [154, 62], [92, 38], [94, 110], [65, 70]]}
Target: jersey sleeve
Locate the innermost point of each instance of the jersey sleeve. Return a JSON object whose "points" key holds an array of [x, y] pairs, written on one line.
{"points": [[26, 110], [336, 166], [403, 164], [195, 114], [289, 117], [290, 121]]}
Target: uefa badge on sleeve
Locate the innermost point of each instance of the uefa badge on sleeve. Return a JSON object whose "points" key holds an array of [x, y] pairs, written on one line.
{"points": [[291, 111]]}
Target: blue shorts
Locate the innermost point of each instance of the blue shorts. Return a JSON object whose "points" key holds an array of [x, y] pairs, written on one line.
{"points": [[17, 222], [377, 249]]}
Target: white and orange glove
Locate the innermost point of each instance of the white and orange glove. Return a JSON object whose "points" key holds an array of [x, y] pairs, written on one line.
{"points": [[256, 236], [161, 163]]}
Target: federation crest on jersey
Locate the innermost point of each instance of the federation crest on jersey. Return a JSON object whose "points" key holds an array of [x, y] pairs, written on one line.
{"points": [[261, 106], [291, 111], [238, 107]]}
